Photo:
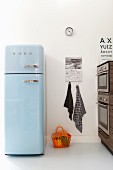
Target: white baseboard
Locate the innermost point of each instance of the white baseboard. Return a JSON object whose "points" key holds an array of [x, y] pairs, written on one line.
{"points": [[80, 139]]}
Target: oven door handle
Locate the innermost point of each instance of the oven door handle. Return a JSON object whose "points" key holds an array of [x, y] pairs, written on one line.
{"points": [[101, 104], [101, 73]]}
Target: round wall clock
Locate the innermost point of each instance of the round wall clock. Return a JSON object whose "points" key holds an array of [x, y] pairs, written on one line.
{"points": [[69, 31]]}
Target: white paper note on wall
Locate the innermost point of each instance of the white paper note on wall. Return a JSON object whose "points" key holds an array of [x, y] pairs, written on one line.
{"points": [[73, 69]]}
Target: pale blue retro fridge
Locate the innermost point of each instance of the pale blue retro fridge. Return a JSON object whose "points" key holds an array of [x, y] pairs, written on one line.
{"points": [[24, 100]]}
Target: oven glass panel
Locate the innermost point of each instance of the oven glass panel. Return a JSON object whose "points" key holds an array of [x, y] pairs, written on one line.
{"points": [[103, 80], [103, 116]]}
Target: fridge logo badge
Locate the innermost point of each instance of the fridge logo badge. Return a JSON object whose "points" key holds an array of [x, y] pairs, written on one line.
{"points": [[106, 51]]}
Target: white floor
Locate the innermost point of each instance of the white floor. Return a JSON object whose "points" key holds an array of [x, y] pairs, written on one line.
{"points": [[76, 157]]}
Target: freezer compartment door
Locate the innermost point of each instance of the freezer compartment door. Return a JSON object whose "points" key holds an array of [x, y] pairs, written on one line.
{"points": [[24, 59], [24, 114]]}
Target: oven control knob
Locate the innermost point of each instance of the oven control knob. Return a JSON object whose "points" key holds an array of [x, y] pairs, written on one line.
{"points": [[100, 99], [100, 69]]}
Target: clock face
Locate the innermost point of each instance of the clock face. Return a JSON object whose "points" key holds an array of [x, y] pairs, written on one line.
{"points": [[69, 31]]}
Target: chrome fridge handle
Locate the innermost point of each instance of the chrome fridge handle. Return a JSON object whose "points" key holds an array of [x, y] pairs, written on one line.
{"points": [[30, 81], [31, 66]]}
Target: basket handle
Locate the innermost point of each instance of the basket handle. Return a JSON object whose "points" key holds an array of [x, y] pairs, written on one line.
{"points": [[58, 128], [63, 132]]}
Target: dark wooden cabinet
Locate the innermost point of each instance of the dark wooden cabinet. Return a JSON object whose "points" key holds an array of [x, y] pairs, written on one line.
{"points": [[111, 77], [105, 101], [106, 139]]}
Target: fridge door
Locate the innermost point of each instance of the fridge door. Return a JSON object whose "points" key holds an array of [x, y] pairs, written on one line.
{"points": [[24, 114], [24, 59]]}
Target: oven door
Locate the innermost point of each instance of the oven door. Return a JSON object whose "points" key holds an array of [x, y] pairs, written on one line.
{"points": [[103, 82], [103, 117]]}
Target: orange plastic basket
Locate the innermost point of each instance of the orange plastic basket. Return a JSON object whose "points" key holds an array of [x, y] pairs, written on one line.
{"points": [[61, 138]]}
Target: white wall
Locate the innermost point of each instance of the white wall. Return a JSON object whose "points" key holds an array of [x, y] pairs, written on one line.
{"points": [[44, 22]]}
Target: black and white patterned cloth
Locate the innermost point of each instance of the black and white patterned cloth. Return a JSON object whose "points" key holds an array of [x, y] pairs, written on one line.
{"points": [[79, 110]]}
